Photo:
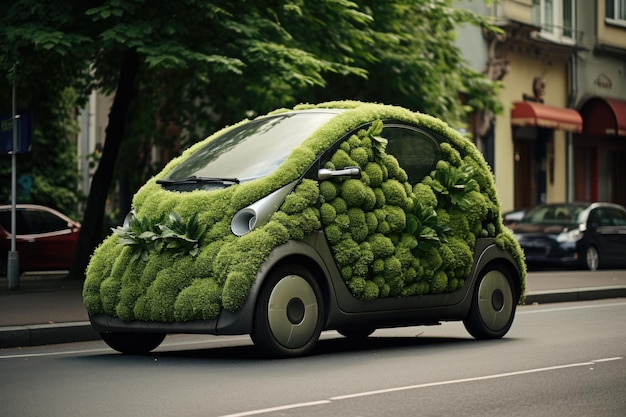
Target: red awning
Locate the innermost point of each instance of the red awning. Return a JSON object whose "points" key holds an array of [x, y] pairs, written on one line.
{"points": [[528, 113], [604, 116]]}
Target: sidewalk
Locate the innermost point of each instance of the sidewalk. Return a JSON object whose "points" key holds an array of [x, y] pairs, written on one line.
{"points": [[48, 308]]}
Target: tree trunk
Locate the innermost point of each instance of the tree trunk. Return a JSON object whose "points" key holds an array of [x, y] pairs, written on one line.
{"points": [[91, 232]]}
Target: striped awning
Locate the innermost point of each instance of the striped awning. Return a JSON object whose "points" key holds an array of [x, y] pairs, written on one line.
{"points": [[528, 113]]}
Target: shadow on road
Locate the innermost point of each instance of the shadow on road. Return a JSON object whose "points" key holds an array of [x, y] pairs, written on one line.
{"points": [[326, 348]]}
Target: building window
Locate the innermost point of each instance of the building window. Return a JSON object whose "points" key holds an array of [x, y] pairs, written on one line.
{"points": [[556, 19], [616, 11]]}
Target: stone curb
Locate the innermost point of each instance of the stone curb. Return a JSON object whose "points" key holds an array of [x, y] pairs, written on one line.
{"points": [[46, 334], [574, 294]]}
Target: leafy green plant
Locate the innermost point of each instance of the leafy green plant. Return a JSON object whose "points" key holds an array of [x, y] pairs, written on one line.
{"points": [[173, 235], [453, 185], [422, 223], [378, 142]]}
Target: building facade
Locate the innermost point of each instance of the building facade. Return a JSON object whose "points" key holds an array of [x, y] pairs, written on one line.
{"points": [[600, 149], [562, 135]]}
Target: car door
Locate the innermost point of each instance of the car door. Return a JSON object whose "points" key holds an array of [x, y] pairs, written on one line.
{"points": [[604, 234], [360, 221], [616, 235]]}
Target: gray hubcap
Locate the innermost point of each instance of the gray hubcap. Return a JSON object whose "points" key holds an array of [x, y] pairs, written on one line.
{"points": [[495, 300], [292, 311], [592, 258]]}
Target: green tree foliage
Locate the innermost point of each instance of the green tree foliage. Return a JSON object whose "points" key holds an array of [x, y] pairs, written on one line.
{"points": [[198, 65], [39, 55], [51, 163], [413, 62]]}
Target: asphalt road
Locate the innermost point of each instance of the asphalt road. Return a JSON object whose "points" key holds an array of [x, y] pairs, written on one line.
{"points": [[565, 359]]}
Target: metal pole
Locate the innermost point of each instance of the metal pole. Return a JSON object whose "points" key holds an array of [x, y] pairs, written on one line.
{"points": [[13, 272], [569, 147]]}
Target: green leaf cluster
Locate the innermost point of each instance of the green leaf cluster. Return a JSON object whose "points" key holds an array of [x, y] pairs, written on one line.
{"points": [[423, 224], [145, 236], [453, 185]]}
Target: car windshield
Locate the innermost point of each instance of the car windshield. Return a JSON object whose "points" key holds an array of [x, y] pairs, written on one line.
{"points": [[252, 150], [555, 214]]}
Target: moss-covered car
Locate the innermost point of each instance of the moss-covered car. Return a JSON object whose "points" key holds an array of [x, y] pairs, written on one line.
{"points": [[345, 215]]}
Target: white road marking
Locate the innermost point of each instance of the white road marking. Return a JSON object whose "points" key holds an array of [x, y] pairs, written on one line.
{"points": [[279, 408], [66, 352], [418, 386]]}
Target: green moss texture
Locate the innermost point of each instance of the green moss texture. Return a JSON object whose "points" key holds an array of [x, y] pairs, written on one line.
{"points": [[365, 221]]}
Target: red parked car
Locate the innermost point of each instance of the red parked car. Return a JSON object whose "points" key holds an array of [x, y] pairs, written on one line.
{"points": [[45, 238]]}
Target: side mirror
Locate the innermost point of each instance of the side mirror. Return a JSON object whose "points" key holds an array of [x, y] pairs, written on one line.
{"points": [[326, 174]]}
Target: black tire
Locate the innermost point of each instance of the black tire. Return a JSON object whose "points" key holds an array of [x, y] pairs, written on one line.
{"points": [[592, 258], [493, 305], [289, 313], [133, 343], [356, 333]]}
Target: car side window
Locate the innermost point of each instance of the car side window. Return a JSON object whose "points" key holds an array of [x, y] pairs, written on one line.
{"points": [[21, 223], [5, 220], [599, 217], [618, 217], [416, 150], [43, 222]]}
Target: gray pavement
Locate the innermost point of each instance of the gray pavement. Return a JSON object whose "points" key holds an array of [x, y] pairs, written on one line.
{"points": [[47, 308]]}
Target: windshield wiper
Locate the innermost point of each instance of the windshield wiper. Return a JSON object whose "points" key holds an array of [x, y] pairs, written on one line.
{"points": [[199, 180]]}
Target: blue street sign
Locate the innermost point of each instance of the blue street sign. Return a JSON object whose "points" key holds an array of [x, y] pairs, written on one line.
{"points": [[24, 134]]}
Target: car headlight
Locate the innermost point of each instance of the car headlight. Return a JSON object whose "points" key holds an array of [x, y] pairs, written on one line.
{"points": [[570, 236], [128, 219], [259, 213]]}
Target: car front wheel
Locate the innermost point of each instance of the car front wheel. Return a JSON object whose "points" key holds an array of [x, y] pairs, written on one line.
{"points": [[493, 305], [133, 343], [289, 313], [592, 258]]}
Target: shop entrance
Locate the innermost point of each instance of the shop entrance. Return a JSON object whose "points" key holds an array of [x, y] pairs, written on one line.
{"points": [[530, 159], [600, 172]]}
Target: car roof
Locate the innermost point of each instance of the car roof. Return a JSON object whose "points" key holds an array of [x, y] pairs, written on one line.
{"points": [[28, 206]]}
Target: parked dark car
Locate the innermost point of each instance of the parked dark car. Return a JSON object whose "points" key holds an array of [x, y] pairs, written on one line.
{"points": [[345, 216], [587, 235], [45, 238], [511, 218]]}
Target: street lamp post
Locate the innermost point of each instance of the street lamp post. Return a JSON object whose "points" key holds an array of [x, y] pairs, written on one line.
{"points": [[13, 274]]}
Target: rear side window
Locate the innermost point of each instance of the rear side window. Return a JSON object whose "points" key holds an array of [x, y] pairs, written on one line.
{"points": [[618, 217], [416, 150], [600, 217]]}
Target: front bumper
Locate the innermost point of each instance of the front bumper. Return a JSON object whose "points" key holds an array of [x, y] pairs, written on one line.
{"points": [[550, 252], [227, 323]]}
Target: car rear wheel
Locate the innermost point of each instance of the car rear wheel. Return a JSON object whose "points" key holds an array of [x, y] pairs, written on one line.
{"points": [[493, 305], [289, 313], [592, 258], [133, 343]]}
